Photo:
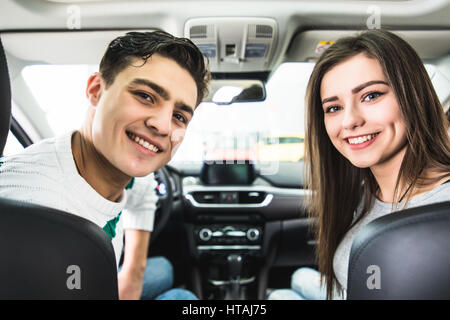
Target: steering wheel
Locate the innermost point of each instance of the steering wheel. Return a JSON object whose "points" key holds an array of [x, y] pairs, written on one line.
{"points": [[164, 205]]}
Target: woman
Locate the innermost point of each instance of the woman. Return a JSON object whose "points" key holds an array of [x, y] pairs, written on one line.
{"points": [[376, 135], [376, 142]]}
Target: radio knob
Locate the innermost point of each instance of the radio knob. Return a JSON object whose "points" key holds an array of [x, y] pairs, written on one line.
{"points": [[205, 234], [253, 234]]}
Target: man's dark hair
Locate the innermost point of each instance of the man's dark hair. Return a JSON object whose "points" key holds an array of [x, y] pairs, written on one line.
{"points": [[122, 50]]}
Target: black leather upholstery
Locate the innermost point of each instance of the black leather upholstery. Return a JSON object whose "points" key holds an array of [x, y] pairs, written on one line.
{"points": [[411, 250], [46, 253], [39, 245], [5, 99]]}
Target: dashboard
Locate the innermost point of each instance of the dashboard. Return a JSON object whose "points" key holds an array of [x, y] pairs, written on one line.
{"points": [[238, 225]]}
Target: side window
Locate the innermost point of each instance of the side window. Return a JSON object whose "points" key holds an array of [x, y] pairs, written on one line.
{"points": [[12, 145]]}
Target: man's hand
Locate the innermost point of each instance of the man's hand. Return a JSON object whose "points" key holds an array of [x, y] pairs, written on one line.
{"points": [[131, 276]]}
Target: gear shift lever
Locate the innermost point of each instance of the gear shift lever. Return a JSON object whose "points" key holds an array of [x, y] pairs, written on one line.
{"points": [[234, 269]]}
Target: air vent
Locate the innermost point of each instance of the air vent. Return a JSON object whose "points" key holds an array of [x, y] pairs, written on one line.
{"points": [[263, 31], [198, 32], [229, 197], [206, 197], [251, 197], [260, 31]]}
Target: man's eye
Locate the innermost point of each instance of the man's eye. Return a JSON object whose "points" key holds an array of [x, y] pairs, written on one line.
{"points": [[180, 117], [332, 109], [144, 96]]}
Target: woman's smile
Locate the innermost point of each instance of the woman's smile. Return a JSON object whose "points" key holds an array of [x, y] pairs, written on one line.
{"points": [[362, 141]]}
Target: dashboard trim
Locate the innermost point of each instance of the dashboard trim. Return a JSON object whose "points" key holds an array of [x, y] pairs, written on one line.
{"points": [[267, 200], [229, 247]]}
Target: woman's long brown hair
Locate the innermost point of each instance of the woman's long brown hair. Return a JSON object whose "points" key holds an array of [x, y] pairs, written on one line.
{"points": [[337, 186]]}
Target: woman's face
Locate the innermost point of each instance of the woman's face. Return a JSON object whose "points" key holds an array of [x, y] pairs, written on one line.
{"points": [[361, 113]]}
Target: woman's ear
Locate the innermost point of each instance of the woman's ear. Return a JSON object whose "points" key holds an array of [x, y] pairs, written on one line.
{"points": [[94, 88]]}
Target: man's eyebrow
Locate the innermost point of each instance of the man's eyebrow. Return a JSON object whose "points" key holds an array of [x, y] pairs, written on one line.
{"points": [[163, 93], [159, 90], [357, 89], [185, 108], [368, 83]]}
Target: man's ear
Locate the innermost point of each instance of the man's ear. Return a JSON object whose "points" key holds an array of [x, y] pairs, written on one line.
{"points": [[94, 88]]}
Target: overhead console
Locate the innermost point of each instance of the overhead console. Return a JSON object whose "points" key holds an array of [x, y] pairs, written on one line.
{"points": [[234, 44]]}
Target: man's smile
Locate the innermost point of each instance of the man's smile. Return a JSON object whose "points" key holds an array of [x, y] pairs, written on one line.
{"points": [[144, 142]]}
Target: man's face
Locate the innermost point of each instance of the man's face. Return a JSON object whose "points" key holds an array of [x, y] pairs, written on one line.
{"points": [[140, 119]]}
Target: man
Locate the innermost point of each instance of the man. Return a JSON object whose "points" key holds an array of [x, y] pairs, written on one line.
{"points": [[141, 102]]}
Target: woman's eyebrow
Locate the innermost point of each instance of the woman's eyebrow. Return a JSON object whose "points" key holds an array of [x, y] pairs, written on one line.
{"points": [[333, 98], [357, 89], [368, 83]]}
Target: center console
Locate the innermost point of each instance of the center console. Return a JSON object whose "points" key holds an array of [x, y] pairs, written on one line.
{"points": [[226, 230], [239, 226]]}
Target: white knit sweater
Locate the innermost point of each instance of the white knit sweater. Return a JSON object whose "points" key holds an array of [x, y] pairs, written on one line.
{"points": [[45, 174]]}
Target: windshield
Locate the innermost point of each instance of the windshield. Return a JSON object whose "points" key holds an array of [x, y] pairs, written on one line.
{"points": [[268, 131]]}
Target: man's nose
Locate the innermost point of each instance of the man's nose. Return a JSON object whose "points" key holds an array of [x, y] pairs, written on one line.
{"points": [[352, 117], [160, 122]]}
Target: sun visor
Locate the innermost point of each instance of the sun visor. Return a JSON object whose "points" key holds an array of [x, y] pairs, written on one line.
{"points": [[234, 44], [309, 45]]}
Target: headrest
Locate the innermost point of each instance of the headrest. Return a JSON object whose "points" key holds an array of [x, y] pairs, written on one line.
{"points": [[440, 82], [5, 99], [41, 248]]}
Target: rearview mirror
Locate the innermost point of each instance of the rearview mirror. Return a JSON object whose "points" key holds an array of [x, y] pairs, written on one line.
{"points": [[231, 91]]}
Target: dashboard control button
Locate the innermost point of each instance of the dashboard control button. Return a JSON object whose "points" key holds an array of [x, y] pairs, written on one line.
{"points": [[253, 234], [205, 234]]}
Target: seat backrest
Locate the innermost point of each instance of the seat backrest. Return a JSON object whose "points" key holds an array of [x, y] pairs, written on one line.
{"points": [[5, 99], [403, 255], [50, 254], [46, 253]]}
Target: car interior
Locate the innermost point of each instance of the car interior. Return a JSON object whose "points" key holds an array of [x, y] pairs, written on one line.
{"points": [[231, 216]]}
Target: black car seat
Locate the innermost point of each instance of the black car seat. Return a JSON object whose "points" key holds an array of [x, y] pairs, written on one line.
{"points": [[404, 255], [46, 253]]}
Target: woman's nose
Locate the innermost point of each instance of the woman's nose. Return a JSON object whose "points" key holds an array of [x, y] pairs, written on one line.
{"points": [[352, 117]]}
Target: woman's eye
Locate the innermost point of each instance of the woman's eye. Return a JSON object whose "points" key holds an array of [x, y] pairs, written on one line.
{"points": [[332, 109], [372, 96]]}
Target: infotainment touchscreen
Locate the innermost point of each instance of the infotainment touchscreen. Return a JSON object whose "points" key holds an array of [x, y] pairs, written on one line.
{"points": [[222, 173]]}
